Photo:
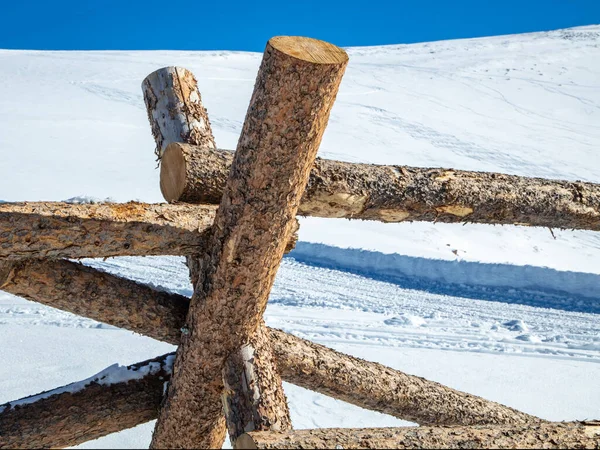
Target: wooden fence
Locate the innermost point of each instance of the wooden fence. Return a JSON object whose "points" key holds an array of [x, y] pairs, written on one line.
{"points": [[226, 375]]}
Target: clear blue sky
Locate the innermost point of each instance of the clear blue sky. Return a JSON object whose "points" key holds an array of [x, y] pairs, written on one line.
{"points": [[247, 25]]}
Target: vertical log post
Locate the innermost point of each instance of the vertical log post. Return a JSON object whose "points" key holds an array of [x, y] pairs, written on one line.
{"points": [[295, 89], [253, 398]]}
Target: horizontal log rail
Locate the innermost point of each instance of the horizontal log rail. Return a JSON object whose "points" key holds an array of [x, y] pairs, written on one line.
{"points": [[107, 298], [542, 435], [67, 230], [399, 193], [113, 400]]}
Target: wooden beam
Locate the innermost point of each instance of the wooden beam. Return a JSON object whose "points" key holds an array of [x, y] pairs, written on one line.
{"points": [[116, 301], [289, 109], [400, 193], [542, 435], [253, 398], [66, 230], [113, 400]]}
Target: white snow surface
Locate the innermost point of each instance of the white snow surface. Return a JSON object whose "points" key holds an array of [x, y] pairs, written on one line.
{"points": [[509, 313]]}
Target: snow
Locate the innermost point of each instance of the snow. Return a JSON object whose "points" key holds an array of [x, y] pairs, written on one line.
{"points": [[508, 313]]}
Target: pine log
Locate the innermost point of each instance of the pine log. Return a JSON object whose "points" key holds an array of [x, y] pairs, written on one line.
{"points": [[542, 435], [107, 298], [295, 89], [113, 400], [253, 398], [379, 388], [66, 230], [400, 193], [175, 109]]}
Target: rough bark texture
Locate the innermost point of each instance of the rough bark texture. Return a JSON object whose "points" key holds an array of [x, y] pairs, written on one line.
{"points": [[294, 92], [260, 404], [380, 388], [399, 193], [543, 435], [65, 230], [88, 292], [175, 109], [60, 419], [141, 309], [253, 398]]}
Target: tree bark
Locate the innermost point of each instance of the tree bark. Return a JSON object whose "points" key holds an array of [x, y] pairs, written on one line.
{"points": [[66, 230], [400, 193], [175, 110], [379, 388], [295, 90], [86, 410], [257, 403], [116, 301], [542, 435]]}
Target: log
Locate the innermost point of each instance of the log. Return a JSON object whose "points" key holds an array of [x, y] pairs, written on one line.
{"points": [[295, 89], [253, 398], [175, 109], [542, 435], [113, 400], [400, 193], [379, 388], [66, 230], [160, 315]]}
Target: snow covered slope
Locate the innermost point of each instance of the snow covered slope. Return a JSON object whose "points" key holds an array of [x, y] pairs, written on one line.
{"points": [[510, 313]]}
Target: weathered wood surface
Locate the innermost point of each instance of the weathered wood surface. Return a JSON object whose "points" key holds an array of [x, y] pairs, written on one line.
{"points": [[295, 89], [175, 109], [379, 388], [400, 193], [66, 230], [116, 301], [542, 435], [253, 398], [86, 410]]}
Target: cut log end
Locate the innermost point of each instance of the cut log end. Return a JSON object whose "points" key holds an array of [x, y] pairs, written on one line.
{"points": [[309, 50], [172, 174]]}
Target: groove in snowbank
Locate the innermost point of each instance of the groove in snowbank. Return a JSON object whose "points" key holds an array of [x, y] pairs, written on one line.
{"points": [[529, 285]]}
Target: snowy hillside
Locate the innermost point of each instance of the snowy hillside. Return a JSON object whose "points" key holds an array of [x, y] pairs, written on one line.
{"points": [[510, 313]]}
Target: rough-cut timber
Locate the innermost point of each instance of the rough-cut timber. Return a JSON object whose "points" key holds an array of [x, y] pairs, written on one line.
{"points": [[379, 388], [86, 410], [293, 95], [253, 398], [400, 193], [542, 435], [141, 309], [65, 230], [91, 293], [257, 403], [175, 109]]}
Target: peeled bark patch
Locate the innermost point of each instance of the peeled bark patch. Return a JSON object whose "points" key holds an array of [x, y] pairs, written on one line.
{"points": [[175, 109], [294, 92], [543, 435], [398, 193]]}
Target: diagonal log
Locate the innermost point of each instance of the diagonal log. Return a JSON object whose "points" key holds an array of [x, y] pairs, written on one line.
{"points": [[400, 193], [66, 230], [542, 435], [295, 89], [253, 397], [113, 400], [116, 301]]}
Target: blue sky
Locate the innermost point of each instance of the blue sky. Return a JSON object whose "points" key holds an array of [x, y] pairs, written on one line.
{"points": [[247, 25]]}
